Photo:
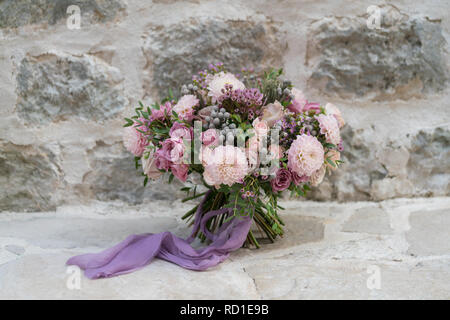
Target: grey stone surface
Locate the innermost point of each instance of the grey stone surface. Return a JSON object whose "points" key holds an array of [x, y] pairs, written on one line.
{"points": [[419, 167], [429, 163], [400, 59], [114, 177], [16, 13], [429, 232], [315, 259], [51, 233], [372, 220], [54, 87], [18, 250], [29, 175], [175, 52]]}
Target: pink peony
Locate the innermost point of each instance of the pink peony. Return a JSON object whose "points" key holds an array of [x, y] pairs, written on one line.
{"points": [[180, 131], [260, 126], [282, 180], [185, 107], [218, 82], [161, 162], [305, 155], [331, 109], [317, 176], [172, 150], [180, 171], [226, 165], [272, 113], [330, 128], [210, 138], [135, 141], [149, 166], [163, 111], [299, 101]]}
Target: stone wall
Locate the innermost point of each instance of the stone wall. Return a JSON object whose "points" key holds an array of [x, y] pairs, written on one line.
{"points": [[63, 92]]}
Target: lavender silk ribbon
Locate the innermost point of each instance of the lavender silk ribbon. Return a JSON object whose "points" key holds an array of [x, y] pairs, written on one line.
{"points": [[136, 251]]}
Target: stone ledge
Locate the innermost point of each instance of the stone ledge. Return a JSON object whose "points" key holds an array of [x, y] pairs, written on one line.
{"points": [[323, 256]]}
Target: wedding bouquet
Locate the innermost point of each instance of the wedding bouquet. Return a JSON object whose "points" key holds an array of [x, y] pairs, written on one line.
{"points": [[247, 137]]}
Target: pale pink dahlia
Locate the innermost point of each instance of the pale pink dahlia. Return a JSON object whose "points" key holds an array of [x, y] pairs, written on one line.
{"points": [[225, 165], [218, 83], [185, 107], [305, 155], [330, 128], [134, 141]]}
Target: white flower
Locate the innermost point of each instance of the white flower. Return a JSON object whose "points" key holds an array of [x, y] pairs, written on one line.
{"points": [[218, 83], [331, 109]]}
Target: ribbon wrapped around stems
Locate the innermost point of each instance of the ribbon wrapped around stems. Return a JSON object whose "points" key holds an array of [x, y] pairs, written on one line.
{"points": [[136, 251]]}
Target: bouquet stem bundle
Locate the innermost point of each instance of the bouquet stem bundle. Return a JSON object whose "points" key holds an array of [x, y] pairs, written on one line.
{"points": [[268, 226]]}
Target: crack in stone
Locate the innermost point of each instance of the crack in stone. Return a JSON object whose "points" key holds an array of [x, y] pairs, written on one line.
{"points": [[254, 282]]}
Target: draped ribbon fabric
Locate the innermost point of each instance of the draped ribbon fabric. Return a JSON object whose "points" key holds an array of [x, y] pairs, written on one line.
{"points": [[136, 251]]}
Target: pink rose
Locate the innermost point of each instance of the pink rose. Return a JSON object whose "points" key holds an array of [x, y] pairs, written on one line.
{"points": [[149, 166], [180, 131], [272, 113], [261, 127], [298, 179], [180, 171], [299, 101], [210, 137], [317, 177], [282, 180], [301, 104]]}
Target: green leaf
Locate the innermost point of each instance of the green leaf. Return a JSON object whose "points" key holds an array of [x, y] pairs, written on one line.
{"points": [[129, 122], [237, 117], [145, 180], [171, 178], [331, 162], [329, 145]]}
